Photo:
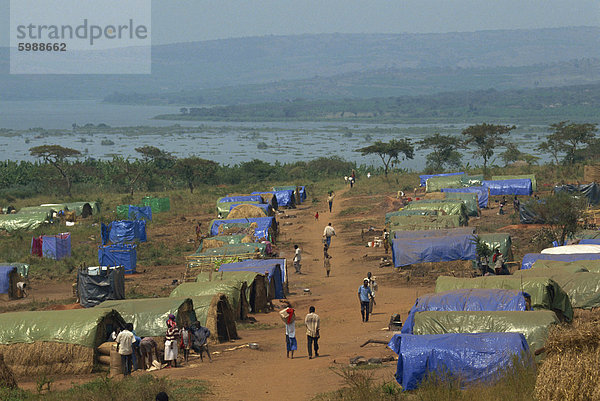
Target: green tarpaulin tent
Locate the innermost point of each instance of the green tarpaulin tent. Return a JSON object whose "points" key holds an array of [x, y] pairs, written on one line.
{"points": [[516, 177], [25, 221], [418, 212], [234, 289], [469, 199], [435, 184], [448, 206], [545, 292], [533, 325], [236, 249], [84, 209], [423, 222], [216, 313], [157, 204], [592, 266], [257, 289]]}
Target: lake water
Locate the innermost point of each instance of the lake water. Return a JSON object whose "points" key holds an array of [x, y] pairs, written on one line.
{"points": [[223, 142]]}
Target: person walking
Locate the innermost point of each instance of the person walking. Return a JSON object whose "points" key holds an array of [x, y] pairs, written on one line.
{"points": [[328, 233], [326, 257], [313, 326], [516, 204], [124, 340], [364, 296], [297, 258], [330, 200], [288, 316], [374, 287]]}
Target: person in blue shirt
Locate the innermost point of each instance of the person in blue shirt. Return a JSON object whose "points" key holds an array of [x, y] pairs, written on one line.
{"points": [[364, 295]]}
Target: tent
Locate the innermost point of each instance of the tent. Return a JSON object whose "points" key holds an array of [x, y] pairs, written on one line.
{"points": [[266, 227], [450, 207], [423, 178], [234, 289], [240, 198], [518, 177], [300, 191], [482, 193], [590, 191], [284, 198], [466, 300], [223, 208], [587, 234], [132, 212], [469, 199], [83, 209], [9, 276], [572, 249], [416, 212], [435, 184], [420, 223], [237, 249], [467, 357], [530, 258], [592, 266], [256, 290], [49, 210], [528, 215], [242, 211], [25, 221], [433, 233], [98, 284], [55, 342], [545, 292], [590, 241], [118, 255], [220, 240], [216, 313], [501, 241], [55, 247], [275, 269], [534, 325], [509, 187], [122, 231], [406, 252], [157, 204]]}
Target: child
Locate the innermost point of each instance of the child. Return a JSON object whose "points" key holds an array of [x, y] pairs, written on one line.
{"points": [[185, 342], [326, 258], [317, 216]]}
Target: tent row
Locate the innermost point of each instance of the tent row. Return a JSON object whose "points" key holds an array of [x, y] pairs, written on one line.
{"points": [[498, 185], [33, 217]]}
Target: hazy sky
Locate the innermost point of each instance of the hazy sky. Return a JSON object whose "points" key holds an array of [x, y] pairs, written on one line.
{"points": [[193, 20]]}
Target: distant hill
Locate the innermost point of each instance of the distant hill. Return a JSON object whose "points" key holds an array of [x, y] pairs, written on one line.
{"points": [[258, 60]]}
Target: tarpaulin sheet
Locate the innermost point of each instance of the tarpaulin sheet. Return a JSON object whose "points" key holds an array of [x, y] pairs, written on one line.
{"points": [[590, 241], [36, 246], [590, 191], [482, 193], [449, 206], [501, 241], [518, 177], [241, 198], [572, 249], [139, 212], [284, 198], [471, 299], [25, 221], [122, 231], [528, 215], [275, 269], [56, 247], [406, 252], [157, 204], [571, 267], [94, 289], [435, 184], [48, 210], [225, 239], [80, 207], [223, 208], [423, 178], [416, 212], [420, 223], [236, 249], [231, 288], [509, 187], [534, 325], [77, 326], [262, 231], [587, 234], [471, 180], [582, 287], [118, 255], [251, 278], [469, 199], [5, 272], [469, 357], [400, 234], [530, 258], [149, 315], [545, 292], [302, 190], [263, 206]]}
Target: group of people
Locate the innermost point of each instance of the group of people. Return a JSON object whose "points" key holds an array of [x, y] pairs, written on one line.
{"points": [[352, 178], [128, 344], [516, 205], [312, 322]]}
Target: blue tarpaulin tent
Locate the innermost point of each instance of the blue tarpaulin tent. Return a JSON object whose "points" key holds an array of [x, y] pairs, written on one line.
{"points": [[590, 241], [118, 255], [521, 186], [5, 272], [284, 198], [466, 300], [122, 231], [241, 198], [425, 177], [275, 269], [530, 258], [407, 234], [262, 231], [56, 247], [434, 249], [140, 212], [482, 193], [469, 357]]}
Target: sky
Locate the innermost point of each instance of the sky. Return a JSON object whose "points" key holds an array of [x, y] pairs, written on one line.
{"points": [[195, 20]]}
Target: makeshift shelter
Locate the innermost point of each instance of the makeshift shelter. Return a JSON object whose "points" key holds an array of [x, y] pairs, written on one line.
{"points": [[9, 276], [399, 234], [284, 198], [509, 187], [528, 215], [435, 184], [234, 289], [448, 206], [592, 266], [469, 199], [273, 268], [55, 342], [545, 292], [482, 193], [248, 248], [83, 209], [222, 240], [424, 177], [534, 325], [118, 255], [25, 221], [55, 247], [131, 212], [223, 208], [158, 205], [50, 210], [240, 199], [123, 231], [530, 258], [518, 177], [466, 300], [216, 313], [587, 234], [406, 252], [256, 290], [572, 249], [149, 315], [249, 211], [470, 358], [420, 223], [98, 284], [266, 227], [501, 241], [589, 241], [416, 212], [590, 191], [299, 192]]}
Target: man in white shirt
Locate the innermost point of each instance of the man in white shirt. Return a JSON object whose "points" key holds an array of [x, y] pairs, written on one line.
{"points": [[124, 340], [328, 233], [297, 258]]}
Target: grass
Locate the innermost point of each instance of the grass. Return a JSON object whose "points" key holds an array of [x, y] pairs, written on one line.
{"points": [[139, 388], [354, 210]]}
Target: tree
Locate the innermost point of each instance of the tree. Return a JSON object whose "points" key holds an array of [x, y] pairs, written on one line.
{"points": [[389, 151], [194, 170], [513, 154], [566, 138], [561, 212], [156, 156], [443, 152], [57, 155], [486, 138]]}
